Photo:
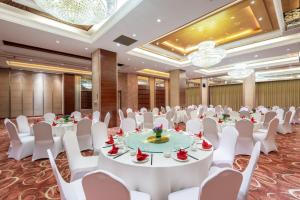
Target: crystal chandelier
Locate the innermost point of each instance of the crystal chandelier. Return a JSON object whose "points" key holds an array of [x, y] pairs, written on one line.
{"points": [[207, 55], [240, 71], [83, 12]]}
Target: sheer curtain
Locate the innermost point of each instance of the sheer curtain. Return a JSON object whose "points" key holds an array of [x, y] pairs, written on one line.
{"points": [[280, 93], [230, 95], [193, 96]]}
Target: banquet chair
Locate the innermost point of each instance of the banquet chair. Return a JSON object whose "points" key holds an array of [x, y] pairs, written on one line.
{"points": [[177, 108], [268, 117], [168, 108], [107, 119], [279, 114], [194, 126], [84, 135], [108, 187], [210, 131], [244, 113], [292, 116], [121, 115], [155, 111], [214, 187], [128, 125], [224, 155], [267, 139], [292, 108], [209, 113], [244, 144], [257, 117], [284, 126], [128, 110], [169, 117], [20, 146], [248, 172], [43, 140], [23, 125], [79, 165], [234, 115], [49, 117], [131, 115], [99, 135], [163, 110], [76, 115], [188, 113], [67, 191], [96, 116], [244, 109], [143, 110], [148, 120], [296, 118], [161, 121]]}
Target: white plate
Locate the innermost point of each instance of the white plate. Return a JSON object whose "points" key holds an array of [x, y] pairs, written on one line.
{"points": [[205, 149], [174, 156], [137, 161]]}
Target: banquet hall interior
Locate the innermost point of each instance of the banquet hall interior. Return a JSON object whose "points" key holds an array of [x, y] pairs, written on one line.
{"points": [[150, 99]]}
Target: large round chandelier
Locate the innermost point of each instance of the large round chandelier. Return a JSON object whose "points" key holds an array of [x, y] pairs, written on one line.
{"points": [[82, 12], [207, 55], [240, 72]]}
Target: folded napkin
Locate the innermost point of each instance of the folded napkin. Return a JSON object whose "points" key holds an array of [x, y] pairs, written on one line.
{"points": [[199, 135], [140, 156], [201, 117], [114, 150], [138, 129], [177, 128], [75, 122], [57, 117], [110, 140], [243, 117], [205, 145], [120, 132], [182, 154], [54, 124], [220, 121], [252, 120]]}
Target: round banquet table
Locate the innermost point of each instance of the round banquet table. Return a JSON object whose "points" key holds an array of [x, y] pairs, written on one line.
{"points": [[160, 175]]}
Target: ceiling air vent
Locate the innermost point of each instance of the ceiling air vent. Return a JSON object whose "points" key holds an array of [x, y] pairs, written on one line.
{"points": [[124, 40], [120, 65]]}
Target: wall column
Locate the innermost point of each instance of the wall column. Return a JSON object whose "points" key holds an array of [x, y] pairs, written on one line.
{"points": [[105, 82], [152, 92], [132, 91], [177, 88], [249, 91], [167, 102], [204, 91]]}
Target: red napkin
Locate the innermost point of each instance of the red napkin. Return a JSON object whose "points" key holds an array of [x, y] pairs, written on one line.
{"points": [[110, 140], [120, 132], [205, 145], [114, 150], [140, 156], [252, 120], [220, 121], [161, 126], [138, 129], [54, 124], [201, 117], [182, 154], [243, 117], [199, 135], [75, 122], [57, 117], [177, 128]]}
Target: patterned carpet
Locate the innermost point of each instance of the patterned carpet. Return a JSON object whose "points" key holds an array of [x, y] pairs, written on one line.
{"points": [[277, 176]]}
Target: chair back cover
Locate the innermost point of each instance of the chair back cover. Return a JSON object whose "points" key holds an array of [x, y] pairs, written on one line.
{"points": [[42, 132], [244, 128], [244, 113], [161, 121], [148, 120], [128, 110], [84, 127], [76, 115], [244, 109], [193, 126], [209, 113], [272, 129], [210, 131], [225, 184], [279, 113], [99, 134], [121, 114], [96, 116], [23, 125], [12, 132], [268, 117], [297, 115], [49, 117], [107, 119], [72, 149], [287, 117], [128, 124], [155, 111], [143, 110], [168, 108], [228, 140], [131, 115], [103, 185]]}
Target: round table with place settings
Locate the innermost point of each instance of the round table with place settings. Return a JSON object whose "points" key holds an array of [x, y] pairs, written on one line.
{"points": [[159, 174]]}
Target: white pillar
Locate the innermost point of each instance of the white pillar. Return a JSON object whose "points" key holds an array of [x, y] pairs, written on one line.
{"points": [[249, 91]]}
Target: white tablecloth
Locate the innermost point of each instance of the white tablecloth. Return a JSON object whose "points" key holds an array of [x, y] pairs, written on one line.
{"points": [[159, 176]]}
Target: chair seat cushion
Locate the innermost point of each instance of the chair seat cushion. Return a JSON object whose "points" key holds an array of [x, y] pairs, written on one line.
{"points": [[135, 195], [190, 194]]}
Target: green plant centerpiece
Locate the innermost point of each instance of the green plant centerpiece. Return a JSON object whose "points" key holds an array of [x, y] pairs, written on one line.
{"points": [[225, 117], [66, 118], [158, 138]]}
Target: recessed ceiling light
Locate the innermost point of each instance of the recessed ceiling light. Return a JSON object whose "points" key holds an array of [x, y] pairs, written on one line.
{"points": [[233, 17], [288, 49], [252, 2], [158, 20], [30, 60], [86, 48], [128, 59], [57, 41], [133, 35], [157, 43], [260, 18], [255, 56], [62, 64], [118, 44]]}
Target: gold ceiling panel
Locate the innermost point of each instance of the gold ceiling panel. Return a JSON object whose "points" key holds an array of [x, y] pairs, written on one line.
{"points": [[240, 20]]}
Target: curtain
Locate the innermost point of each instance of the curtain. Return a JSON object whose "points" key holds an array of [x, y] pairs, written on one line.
{"points": [[229, 95], [280, 93], [193, 96]]}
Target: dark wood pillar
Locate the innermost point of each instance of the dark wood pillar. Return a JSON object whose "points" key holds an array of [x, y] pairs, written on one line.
{"points": [[69, 93]]}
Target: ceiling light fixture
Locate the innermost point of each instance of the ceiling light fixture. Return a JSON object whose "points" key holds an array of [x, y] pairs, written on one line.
{"points": [[207, 55], [86, 48], [260, 19], [133, 35], [252, 2], [86, 12], [118, 44], [240, 72], [158, 20], [57, 41]]}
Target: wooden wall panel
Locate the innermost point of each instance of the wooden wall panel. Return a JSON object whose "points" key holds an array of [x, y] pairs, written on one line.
{"points": [[4, 93], [16, 93], [143, 96], [69, 93], [160, 97], [48, 88], [57, 94], [27, 94], [38, 97]]}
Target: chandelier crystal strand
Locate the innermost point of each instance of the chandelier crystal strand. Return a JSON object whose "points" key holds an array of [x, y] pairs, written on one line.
{"points": [[240, 72], [82, 12], [207, 55]]}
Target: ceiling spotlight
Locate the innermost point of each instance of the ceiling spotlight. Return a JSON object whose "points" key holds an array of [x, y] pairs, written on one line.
{"points": [[133, 35], [158, 20], [30, 60], [233, 17], [118, 44], [57, 41], [143, 62], [252, 2], [240, 72], [86, 48], [128, 59], [260, 18], [255, 56], [288, 49]]}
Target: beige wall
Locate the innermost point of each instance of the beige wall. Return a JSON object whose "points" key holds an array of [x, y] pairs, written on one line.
{"points": [[177, 88], [152, 92]]}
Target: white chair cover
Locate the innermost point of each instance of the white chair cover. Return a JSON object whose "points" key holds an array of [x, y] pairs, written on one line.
{"points": [[161, 121], [168, 108], [285, 127], [128, 110], [96, 116], [107, 119], [128, 125], [68, 191], [296, 118], [244, 113], [20, 147], [107, 186], [279, 114], [78, 164], [121, 114], [245, 141], [148, 120], [23, 125], [244, 109], [84, 135], [99, 135], [194, 126], [234, 115], [155, 111], [169, 117], [143, 110], [210, 131], [131, 115], [76, 115], [224, 155], [209, 113], [268, 117], [44, 140], [49, 117], [194, 114]]}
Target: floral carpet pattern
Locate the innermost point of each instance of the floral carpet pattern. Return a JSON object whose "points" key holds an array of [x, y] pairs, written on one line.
{"points": [[277, 176]]}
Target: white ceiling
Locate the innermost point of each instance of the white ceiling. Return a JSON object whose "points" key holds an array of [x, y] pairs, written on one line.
{"points": [[141, 20]]}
